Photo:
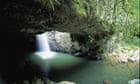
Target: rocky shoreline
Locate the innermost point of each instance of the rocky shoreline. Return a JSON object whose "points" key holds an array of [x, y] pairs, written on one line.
{"points": [[123, 54], [126, 54], [46, 81]]}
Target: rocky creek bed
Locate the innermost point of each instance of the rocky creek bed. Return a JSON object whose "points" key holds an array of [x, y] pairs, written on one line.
{"points": [[125, 54]]}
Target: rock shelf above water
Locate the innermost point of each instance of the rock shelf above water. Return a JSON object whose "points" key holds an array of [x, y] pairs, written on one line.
{"points": [[126, 54]]}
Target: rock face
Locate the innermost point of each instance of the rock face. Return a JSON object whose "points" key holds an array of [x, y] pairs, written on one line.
{"points": [[60, 41], [66, 42], [76, 44]]}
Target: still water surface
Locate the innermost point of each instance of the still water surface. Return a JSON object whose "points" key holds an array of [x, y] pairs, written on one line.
{"points": [[69, 68]]}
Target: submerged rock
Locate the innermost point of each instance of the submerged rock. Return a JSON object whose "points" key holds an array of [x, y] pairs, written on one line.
{"points": [[106, 82]]}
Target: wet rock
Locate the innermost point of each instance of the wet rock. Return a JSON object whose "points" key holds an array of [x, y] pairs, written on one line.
{"points": [[127, 54], [66, 82], [125, 50], [60, 41], [123, 60], [134, 81], [76, 45], [37, 81], [78, 54]]}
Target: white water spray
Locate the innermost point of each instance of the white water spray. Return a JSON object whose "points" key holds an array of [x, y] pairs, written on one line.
{"points": [[50, 58], [42, 42], [43, 47]]}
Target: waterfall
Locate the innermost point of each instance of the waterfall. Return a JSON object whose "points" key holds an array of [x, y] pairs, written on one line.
{"points": [[50, 58], [43, 47], [42, 42]]}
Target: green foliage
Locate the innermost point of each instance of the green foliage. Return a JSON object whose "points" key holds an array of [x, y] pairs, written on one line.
{"points": [[120, 16], [49, 4], [132, 26], [79, 6], [52, 3]]}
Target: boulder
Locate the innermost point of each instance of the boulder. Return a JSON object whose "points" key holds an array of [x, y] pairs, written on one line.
{"points": [[134, 81], [66, 82], [106, 82]]}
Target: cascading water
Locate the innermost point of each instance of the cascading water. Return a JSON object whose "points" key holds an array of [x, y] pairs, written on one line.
{"points": [[51, 59], [43, 48], [42, 42], [43, 51]]}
